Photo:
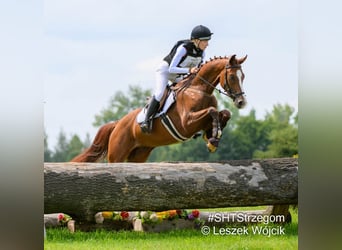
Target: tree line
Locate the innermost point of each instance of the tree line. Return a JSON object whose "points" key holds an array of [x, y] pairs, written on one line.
{"points": [[245, 136]]}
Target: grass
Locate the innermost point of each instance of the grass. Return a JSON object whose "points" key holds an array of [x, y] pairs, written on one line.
{"points": [[61, 238]]}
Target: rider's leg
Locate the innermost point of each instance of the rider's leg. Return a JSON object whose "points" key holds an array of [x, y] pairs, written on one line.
{"points": [[151, 110], [161, 83]]}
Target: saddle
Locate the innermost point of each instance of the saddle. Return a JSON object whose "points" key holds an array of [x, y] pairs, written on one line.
{"points": [[167, 92], [169, 97]]}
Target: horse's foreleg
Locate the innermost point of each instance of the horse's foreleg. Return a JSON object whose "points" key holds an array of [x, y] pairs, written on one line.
{"points": [[224, 117], [209, 136], [201, 119], [198, 120], [216, 127]]}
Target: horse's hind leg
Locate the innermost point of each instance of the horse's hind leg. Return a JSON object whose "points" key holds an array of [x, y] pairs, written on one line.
{"points": [[119, 148], [140, 154], [117, 154], [121, 151]]}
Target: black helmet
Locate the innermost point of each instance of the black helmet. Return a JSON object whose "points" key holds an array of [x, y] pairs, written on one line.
{"points": [[201, 32]]}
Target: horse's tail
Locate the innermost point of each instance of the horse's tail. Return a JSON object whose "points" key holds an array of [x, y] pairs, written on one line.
{"points": [[99, 147]]}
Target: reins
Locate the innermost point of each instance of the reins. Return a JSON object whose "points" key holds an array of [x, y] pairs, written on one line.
{"points": [[227, 90], [212, 85]]}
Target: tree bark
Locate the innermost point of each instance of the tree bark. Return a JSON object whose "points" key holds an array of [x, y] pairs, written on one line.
{"points": [[83, 189]]}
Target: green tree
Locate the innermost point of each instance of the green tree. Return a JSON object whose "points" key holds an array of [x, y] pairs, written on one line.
{"points": [[75, 147], [283, 134], [61, 149], [191, 150], [87, 141], [245, 136], [121, 104], [47, 151]]}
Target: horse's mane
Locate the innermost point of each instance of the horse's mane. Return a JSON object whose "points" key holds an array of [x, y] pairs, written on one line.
{"points": [[191, 76], [188, 78]]}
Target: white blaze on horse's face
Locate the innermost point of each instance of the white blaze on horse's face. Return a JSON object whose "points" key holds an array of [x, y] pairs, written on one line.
{"points": [[239, 75], [240, 101]]}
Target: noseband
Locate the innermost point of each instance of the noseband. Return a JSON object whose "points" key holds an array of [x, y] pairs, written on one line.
{"points": [[227, 90]]}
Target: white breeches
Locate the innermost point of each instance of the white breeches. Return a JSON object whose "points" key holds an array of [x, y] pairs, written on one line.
{"points": [[162, 75]]}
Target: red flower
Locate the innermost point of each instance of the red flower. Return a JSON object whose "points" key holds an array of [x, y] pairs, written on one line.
{"points": [[124, 214], [195, 213], [60, 217], [179, 212]]}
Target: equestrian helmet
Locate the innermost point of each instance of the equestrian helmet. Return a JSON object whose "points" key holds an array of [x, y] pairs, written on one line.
{"points": [[201, 32]]}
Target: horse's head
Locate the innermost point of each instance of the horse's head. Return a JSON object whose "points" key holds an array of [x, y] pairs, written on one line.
{"points": [[224, 70], [231, 80]]}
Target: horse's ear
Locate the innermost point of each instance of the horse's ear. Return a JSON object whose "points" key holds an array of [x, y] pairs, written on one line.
{"points": [[241, 60], [232, 60]]}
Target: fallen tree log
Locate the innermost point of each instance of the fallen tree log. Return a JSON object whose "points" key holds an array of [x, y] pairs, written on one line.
{"points": [[83, 189]]}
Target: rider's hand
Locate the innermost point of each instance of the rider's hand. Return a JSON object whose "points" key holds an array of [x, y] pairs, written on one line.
{"points": [[193, 70]]}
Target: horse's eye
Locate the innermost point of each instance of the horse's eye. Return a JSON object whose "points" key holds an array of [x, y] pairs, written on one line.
{"points": [[231, 78]]}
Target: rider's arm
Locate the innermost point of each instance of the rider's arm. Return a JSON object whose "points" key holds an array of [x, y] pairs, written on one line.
{"points": [[173, 68]]}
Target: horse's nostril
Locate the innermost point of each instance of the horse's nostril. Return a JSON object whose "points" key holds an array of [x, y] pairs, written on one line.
{"points": [[240, 103]]}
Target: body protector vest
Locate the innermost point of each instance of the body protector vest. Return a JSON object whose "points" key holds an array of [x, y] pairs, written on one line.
{"points": [[192, 58]]}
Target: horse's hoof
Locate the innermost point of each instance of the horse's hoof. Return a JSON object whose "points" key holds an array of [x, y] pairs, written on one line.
{"points": [[212, 144], [211, 148]]}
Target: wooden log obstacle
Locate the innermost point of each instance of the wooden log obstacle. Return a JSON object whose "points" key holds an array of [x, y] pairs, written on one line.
{"points": [[83, 189]]}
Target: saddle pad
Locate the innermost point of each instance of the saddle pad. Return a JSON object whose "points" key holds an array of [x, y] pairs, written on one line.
{"points": [[169, 101]]}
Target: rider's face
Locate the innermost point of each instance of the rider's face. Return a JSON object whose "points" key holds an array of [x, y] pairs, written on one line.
{"points": [[203, 44]]}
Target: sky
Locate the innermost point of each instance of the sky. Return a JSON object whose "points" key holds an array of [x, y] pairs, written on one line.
{"points": [[94, 48]]}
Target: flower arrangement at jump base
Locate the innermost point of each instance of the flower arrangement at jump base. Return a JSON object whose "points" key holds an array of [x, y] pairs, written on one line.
{"points": [[63, 218], [148, 221], [149, 217], [112, 215]]}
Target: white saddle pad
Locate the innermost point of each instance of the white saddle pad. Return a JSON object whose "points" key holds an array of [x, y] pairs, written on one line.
{"points": [[169, 101]]}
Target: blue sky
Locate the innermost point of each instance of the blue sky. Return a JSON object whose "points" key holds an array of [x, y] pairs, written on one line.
{"points": [[94, 48]]}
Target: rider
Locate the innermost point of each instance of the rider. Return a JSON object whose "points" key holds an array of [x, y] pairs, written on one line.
{"points": [[184, 58]]}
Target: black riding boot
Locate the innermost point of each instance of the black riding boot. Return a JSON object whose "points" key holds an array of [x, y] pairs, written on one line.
{"points": [[151, 110]]}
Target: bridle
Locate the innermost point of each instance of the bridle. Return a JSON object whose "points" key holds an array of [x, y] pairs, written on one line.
{"points": [[227, 90]]}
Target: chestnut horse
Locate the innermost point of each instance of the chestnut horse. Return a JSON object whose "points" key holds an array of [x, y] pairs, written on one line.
{"points": [[195, 110]]}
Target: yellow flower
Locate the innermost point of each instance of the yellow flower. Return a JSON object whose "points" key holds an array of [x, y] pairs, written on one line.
{"points": [[163, 215], [107, 215]]}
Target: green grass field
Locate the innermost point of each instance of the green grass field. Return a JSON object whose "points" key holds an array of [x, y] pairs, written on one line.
{"points": [[61, 238]]}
